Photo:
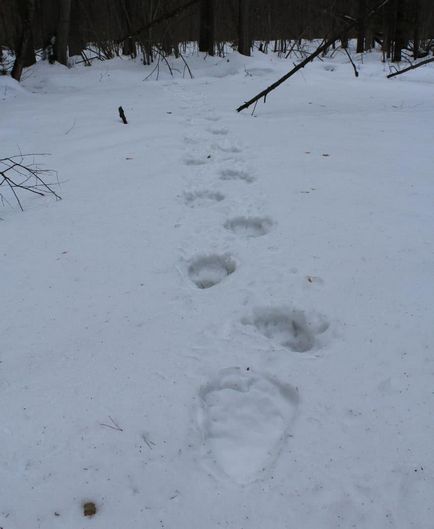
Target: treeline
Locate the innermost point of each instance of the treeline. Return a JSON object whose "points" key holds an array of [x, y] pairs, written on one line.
{"points": [[58, 29]]}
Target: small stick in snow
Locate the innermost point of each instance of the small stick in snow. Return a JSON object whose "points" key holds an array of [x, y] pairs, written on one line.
{"points": [[122, 116], [69, 130], [114, 427], [148, 442], [356, 71]]}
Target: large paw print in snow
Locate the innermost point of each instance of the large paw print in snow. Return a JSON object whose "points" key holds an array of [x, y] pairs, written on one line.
{"points": [[202, 198], [244, 419], [294, 329], [236, 174], [209, 270], [228, 147], [249, 226]]}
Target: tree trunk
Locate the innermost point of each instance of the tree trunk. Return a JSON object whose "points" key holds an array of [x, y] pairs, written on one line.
{"points": [[389, 23], [76, 42], [24, 53], [399, 38], [63, 21], [361, 26], [244, 43], [416, 28], [129, 44], [206, 37]]}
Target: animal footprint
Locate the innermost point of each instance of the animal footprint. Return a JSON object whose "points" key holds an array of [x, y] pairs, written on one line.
{"points": [[202, 198], [227, 146], [207, 271], [291, 328], [236, 174], [314, 280], [244, 419], [218, 132], [249, 226], [195, 161]]}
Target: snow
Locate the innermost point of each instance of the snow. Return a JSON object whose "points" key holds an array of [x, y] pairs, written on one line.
{"points": [[227, 321]]}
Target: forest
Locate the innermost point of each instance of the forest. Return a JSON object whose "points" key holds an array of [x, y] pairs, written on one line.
{"points": [[102, 29]]}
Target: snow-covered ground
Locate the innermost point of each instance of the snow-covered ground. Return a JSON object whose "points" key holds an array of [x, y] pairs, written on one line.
{"points": [[228, 319]]}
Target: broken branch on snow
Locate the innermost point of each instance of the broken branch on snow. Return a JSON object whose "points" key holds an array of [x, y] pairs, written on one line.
{"points": [[322, 47], [412, 67], [17, 174]]}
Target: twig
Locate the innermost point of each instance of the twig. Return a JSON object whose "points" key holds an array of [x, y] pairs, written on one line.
{"points": [[186, 65], [69, 130], [356, 72], [149, 443], [114, 427], [122, 116], [16, 174]]}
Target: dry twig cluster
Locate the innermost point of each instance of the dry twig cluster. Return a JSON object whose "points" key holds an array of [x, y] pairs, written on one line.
{"points": [[20, 174]]}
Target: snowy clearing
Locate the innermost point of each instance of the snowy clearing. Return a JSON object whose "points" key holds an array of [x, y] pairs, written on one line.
{"points": [[228, 319]]}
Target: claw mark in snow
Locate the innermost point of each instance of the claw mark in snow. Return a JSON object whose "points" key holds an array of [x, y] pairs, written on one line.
{"points": [[209, 270], [244, 419]]}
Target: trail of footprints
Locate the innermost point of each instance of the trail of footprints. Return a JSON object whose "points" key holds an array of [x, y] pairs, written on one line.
{"points": [[245, 417]]}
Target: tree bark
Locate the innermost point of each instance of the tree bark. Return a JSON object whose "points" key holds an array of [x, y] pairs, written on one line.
{"points": [[206, 37], [63, 22], [244, 43], [24, 53], [398, 38], [361, 26], [76, 42], [416, 28]]}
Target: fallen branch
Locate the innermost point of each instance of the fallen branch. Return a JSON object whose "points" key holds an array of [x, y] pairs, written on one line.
{"points": [[412, 67], [356, 71], [113, 426], [18, 175], [122, 116], [351, 24]]}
